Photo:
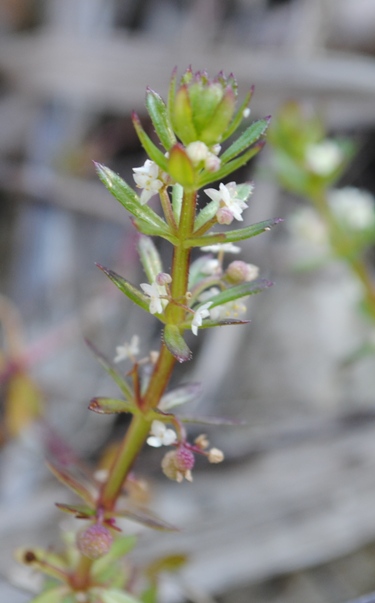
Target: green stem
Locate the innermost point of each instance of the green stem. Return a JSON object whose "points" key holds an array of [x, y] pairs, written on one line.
{"points": [[139, 428], [81, 578]]}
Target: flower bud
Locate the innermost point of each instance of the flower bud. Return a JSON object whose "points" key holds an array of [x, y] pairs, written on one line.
{"points": [[203, 108], [224, 216], [163, 278], [177, 464], [215, 455], [95, 541], [240, 272]]}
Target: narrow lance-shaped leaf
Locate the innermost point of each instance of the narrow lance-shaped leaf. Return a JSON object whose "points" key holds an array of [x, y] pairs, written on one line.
{"points": [[206, 214], [134, 294], [129, 199], [231, 166], [121, 546], [224, 322], [150, 258], [160, 119], [232, 236], [177, 198], [117, 378], [238, 291], [79, 511], [151, 149], [146, 518], [239, 116], [246, 140], [180, 395], [153, 231], [176, 343], [72, 483], [109, 406]]}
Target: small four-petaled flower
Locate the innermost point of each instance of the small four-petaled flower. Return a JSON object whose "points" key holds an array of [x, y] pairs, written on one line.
{"points": [[147, 177], [199, 314], [161, 435]]}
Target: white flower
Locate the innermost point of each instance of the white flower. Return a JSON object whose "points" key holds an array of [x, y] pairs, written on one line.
{"points": [[231, 309], [305, 223], [161, 435], [324, 157], [201, 313], [246, 112], [147, 178], [154, 292], [197, 151], [354, 207], [225, 247], [128, 350], [227, 198], [211, 266]]}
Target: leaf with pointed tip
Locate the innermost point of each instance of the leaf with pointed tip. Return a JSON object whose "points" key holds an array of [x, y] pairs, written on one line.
{"points": [[176, 343], [160, 120], [109, 406], [72, 483], [80, 511], [212, 421], [170, 563], [122, 545], [249, 137], [113, 595], [150, 258], [154, 231], [151, 149], [232, 236], [177, 198], [180, 395], [206, 214], [117, 378], [180, 166], [239, 116], [52, 595], [129, 199], [125, 287], [227, 168], [146, 518], [207, 324], [238, 291]]}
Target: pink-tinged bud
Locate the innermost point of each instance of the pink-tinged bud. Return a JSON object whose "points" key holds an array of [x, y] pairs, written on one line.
{"points": [[224, 216], [177, 464], [95, 541], [163, 278], [212, 163], [184, 459], [240, 272]]}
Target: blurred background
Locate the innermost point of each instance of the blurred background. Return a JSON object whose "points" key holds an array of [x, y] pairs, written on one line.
{"points": [[290, 515]]}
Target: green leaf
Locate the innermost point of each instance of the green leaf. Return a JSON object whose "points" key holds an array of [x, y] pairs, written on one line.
{"points": [[180, 166], [207, 324], [246, 140], [153, 231], [129, 199], [180, 395], [150, 595], [239, 116], [151, 149], [80, 511], [206, 214], [233, 236], [72, 483], [44, 561], [150, 258], [182, 116], [117, 378], [134, 294], [176, 343], [238, 291], [109, 406], [52, 595], [177, 198], [212, 421], [146, 518], [121, 546], [228, 168], [169, 563], [221, 118], [159, 117], [115, 596]]}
